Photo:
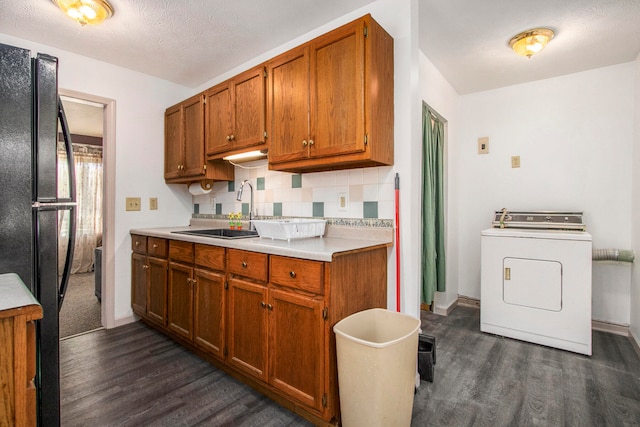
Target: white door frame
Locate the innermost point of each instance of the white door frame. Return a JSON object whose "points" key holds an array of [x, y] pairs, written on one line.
{"points": [[109, 210]]}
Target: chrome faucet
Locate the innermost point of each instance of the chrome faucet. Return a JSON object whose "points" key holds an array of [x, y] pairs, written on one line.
{"points": [[239, 198]]}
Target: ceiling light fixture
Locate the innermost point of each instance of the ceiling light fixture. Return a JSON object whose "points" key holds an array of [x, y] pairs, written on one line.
{"points": [[531, 41], [86, 11]]}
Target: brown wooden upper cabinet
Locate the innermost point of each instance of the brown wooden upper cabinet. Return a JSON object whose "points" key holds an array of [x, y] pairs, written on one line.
{"points": [[235, 114], [330, 101], [184, 158]]}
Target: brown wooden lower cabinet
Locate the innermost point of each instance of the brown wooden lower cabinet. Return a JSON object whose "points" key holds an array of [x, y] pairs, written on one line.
{"points": [[268, 319], [149, 268], [247, 348], [209, 306], [297, 353], [17, 353]]}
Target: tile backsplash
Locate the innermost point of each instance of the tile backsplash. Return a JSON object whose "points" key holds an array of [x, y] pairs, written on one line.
{"points": [[353, 193]]}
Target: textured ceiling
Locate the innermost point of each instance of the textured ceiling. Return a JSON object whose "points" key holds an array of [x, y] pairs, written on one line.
{"points": [[467, 40], [184, 41], [83, 117], [192, 41]]}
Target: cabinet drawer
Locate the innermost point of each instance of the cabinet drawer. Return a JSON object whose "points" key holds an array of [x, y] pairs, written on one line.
{"points": [[139, 244], [157, 247], [181, 251], [297, 273], [253, 265], [210, 257]]}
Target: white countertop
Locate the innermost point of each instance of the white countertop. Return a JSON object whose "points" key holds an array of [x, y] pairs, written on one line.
{"points": [[14, 292], [336, 240]]}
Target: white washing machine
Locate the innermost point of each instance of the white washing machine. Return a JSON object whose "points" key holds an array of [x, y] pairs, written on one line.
{"points": [[536, 286]]}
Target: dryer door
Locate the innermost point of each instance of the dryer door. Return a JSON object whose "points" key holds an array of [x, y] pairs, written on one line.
{"points": [[532, 283]]}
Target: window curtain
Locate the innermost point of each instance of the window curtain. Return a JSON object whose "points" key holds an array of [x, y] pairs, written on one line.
{"points": [[433, 254], [88, 168]]}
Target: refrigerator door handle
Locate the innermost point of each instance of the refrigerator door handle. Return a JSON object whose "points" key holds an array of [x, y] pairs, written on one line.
{"points": [[66, 271], [69, 149]]}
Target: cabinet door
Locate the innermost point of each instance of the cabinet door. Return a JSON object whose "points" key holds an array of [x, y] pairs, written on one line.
{"points": [[288, 106], [139, 280], [296, 346], [249, 108], [173, 142], [218, 119], [248, 327], [181, 299], [209, 306], [157, 291], [337, 92], [193, 116]]}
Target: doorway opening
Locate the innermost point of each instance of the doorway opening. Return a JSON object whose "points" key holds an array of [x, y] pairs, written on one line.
{"points": [[433, 252], [80, 311], [88, 303]]}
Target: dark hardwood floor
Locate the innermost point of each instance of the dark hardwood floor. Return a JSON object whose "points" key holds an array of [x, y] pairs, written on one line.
{"points": [[487, 380], [134, 376]]}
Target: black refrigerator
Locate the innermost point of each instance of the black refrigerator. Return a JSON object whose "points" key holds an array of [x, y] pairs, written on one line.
{"points": [[37, 202]]}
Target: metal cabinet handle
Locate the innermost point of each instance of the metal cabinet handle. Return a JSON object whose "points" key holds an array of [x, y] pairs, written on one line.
{"points": [[146, 267], [137, 243], [292, 274], [233, 137], [228, 137], [155, 246], [311, 142], [262, 304], [507, 273], [269, 307], [304, 143], [244, 264]]}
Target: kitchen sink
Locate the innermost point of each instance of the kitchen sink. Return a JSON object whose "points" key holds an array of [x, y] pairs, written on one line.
{"points": [[221, 233]]}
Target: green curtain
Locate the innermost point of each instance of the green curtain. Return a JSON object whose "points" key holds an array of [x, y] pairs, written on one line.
{"points": [[433, 257]]}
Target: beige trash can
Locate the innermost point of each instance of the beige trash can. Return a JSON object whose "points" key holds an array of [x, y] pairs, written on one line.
{"points": [[377, 353]]}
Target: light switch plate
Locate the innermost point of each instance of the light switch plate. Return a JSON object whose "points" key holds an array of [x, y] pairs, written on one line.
{"points": [[515, 161], [153, 203], [343, 202], [133, 204], [483, 145]]}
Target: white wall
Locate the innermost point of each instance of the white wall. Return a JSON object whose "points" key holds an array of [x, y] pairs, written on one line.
{"points": [[574, 135], [442, 97], [140, 104], [635, 235]]}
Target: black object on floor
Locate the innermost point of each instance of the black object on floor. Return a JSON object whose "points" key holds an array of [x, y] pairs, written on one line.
{"points": [[426, 356], [98, 273]]}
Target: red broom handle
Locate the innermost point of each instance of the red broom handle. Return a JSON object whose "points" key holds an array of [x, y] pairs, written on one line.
{"points": [[397, 243]]}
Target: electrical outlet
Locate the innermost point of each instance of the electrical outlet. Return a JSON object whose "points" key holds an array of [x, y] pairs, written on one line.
{"points": [[343, 202], [515, 161], [483, 145], [153, 203], [133, 204]]}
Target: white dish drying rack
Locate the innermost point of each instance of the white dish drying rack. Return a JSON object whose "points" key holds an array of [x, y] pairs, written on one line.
{"points": [[287, 229]]}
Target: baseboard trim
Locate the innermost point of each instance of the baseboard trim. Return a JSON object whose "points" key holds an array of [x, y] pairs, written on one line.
{"points": [[611, 328], [634, 342], [468, 301], [445, 311], [125, 320]]}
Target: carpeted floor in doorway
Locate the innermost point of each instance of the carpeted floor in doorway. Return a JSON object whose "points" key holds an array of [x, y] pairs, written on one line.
{"points": [[80, 309]]}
